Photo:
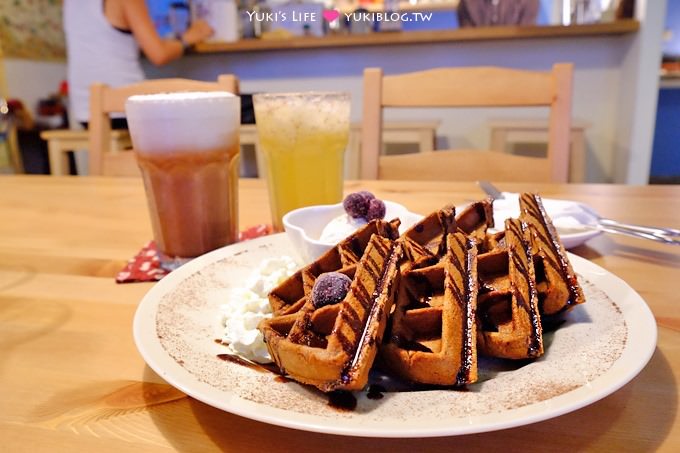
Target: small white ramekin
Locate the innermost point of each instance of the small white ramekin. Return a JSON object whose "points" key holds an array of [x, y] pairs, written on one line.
{"points": [[304, 226]]}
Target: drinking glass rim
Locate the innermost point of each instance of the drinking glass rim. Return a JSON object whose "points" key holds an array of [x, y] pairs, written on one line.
{"points": [[189, 96], [302, 94]]}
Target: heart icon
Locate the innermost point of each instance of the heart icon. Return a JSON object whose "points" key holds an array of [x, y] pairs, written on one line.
{"points": [[330, 14]]}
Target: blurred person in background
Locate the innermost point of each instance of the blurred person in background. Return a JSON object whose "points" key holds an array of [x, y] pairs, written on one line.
{"points": [[484, 13], [103, 40]]}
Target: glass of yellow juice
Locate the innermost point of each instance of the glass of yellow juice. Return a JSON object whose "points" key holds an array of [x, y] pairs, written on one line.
{"points": [[302, 138]]}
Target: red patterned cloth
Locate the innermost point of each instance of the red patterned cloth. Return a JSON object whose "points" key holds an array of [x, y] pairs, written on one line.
{"points": [[145, 266], [255, 232]]}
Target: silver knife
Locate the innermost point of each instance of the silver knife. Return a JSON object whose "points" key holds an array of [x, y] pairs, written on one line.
{"points": [[490, 190]]}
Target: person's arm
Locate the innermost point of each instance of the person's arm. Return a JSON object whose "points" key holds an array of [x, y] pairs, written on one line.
{"points": [[160, 51]]}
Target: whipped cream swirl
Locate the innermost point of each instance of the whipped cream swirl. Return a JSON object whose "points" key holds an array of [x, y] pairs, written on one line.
{"points": [[248, 305]]}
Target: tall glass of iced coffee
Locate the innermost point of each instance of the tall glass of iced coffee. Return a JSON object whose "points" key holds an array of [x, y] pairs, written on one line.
{"points": [[302, 137], [187, 147]]}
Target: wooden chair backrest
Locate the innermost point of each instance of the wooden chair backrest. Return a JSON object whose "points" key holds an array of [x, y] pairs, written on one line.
{"points": [[468, 87], [105, 100]]}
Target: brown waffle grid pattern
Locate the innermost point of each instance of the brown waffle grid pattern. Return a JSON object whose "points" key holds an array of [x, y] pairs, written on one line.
{"points": [[333, 347], [440, 317]]}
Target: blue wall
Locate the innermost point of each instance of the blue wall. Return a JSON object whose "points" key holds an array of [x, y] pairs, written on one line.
{"points": [[672, 47], [666, 153]]}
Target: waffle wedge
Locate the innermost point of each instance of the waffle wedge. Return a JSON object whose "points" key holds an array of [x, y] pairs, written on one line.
{"points": [[475, 219], [433, 332], [508, 320], [333, 347], [425, 242], [557, 284], [289, 296]]}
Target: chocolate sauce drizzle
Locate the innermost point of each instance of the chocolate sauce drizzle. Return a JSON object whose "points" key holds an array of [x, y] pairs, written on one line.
{"points": [[375, 392], [470, 309], [342, 400], [520, 251], [447, 220], [548, 236], [378, 274], [464, 298]]}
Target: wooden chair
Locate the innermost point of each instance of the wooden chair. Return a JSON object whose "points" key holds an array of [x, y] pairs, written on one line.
{"points": [[468, 87], [105, 100]]}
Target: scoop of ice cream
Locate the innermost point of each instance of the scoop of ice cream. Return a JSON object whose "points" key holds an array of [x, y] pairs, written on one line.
{"points": [[339, 228], [330, 288]]}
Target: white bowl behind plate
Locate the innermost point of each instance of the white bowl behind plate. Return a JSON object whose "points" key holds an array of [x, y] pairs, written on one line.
{"points": [[304, 226]]}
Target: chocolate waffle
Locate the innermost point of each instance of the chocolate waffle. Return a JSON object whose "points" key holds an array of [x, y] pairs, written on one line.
{"points": [[508, 320], [433, 333], [475, 219], [556, 282], [425, 242], [333, 347]]}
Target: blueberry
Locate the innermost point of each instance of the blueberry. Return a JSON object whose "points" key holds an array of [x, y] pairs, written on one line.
{"points": [[330, 288], [356, 204], [376, 210], [366, 194]]}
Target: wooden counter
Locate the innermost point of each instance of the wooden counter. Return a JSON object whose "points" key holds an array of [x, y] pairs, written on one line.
{"points": [[423, 37]]}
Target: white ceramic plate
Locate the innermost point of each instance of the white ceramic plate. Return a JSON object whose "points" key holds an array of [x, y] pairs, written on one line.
{"points": [[575, 222], [602, 345]]}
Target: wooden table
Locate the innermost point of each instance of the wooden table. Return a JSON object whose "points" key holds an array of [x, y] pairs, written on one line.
{"points": [[71, 378]]}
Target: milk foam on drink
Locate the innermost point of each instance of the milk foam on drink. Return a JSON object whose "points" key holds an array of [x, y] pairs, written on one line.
{"points": [[167, 122], [303, 138], [187, 148]]}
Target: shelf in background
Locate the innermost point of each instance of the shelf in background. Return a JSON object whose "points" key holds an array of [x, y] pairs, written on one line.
{"points": [[423, 37], [670, 80]]}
